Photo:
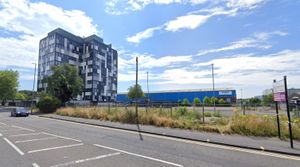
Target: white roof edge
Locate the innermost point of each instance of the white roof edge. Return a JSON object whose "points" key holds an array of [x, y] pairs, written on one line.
{"points": [[186, 90]]}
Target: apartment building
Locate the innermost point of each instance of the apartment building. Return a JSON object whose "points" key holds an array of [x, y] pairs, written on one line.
{"points": [[96, 61]]}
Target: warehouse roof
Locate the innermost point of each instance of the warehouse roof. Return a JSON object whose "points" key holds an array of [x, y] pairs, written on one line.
{"points": [[186, 90]]}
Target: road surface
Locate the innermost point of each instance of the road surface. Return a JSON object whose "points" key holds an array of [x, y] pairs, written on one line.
{"points": [[42, 142]]}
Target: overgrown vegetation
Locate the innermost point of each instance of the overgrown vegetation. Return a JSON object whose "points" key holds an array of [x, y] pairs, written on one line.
{"points": [[184, 118]]}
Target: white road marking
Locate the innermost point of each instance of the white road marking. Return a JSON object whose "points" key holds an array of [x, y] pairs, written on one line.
{"points": [[35, 165], [68, 138], [277, 155], [31, 130], [54, 148], [87, 159], [25, 134], [0, 134], [14, 146], [139, 155], [10, 130], [3, 123], [39, 139]]}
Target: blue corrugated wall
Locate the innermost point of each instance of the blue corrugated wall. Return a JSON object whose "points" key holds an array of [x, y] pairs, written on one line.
{"points": [[176, 96]]}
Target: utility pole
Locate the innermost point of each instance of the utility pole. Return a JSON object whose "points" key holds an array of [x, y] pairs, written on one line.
{"points": [[213, 84], [136, 92], [148, 89], [33, 86]]}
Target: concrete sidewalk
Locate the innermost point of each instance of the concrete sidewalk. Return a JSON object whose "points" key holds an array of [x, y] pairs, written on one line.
{"points": [[256, 143]]}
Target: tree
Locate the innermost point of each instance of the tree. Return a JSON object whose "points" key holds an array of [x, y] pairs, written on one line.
{"points": [[207, 100], [197, 101], [135, 92], [20, 96], [221, 101], [267, 99], [185, 102], [65, 83], [28, 94], [255, 101], [8, 85]]}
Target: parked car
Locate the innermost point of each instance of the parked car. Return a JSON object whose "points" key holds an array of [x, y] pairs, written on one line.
{"points": [[20, 111]]}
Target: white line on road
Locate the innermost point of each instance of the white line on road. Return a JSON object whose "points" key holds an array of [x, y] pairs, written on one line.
{"points": [[10, 130], [3, 123], [0, 134], [68, 138], [35, 165], [14, 146], [87, 159], [25, 134], [277, 155], [54, 148], [31, 130], [39, 139], [139, 155]]}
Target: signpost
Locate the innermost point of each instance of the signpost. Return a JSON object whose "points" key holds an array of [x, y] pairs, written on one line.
{"points": [[281, 95], [276, 91]]}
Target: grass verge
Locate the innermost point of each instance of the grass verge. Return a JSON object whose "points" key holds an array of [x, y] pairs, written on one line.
{"points": [[250, 125]]}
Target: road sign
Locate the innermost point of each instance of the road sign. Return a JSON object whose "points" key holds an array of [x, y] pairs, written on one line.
{"points": [[279, 91]]}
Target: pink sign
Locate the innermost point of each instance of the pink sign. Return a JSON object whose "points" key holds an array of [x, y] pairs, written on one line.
{"points": [[279, 97], [279, 91]]}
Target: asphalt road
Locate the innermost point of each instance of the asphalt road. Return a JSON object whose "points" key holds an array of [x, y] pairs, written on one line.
{"points": [[35, 141]]}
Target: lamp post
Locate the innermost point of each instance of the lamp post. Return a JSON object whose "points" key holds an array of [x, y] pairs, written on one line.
{"points": [[33, 86], [148, 101], [136, 92], [213, 84]]}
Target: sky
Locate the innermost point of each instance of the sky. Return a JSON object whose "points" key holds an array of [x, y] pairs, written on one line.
{"points": [[250, 42]]}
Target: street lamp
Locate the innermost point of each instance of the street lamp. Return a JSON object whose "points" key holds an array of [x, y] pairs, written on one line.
{"points": [[213, 84], [33, 86], [148, 101]]}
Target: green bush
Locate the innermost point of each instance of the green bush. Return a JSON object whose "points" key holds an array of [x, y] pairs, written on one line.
{"points": [[207, 114], [48, 104], [182, 110], [217, 114]]}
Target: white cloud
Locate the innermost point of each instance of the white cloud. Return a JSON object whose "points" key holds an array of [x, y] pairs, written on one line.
{"points": [[258, 40], [187, 22], [250, 72], [142, 35], [255, 69], [120, 7], [149, 61], [32, 21], [245, 4], [267, 35], [127, 61]]}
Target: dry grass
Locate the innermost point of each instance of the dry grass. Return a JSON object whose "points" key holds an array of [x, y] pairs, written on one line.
{"points": [[252, 125]]}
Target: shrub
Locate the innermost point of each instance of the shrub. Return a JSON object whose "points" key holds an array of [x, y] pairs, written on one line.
{"points": [[182, 110], [48, 104], [217, 114], [254, 125], [207, 114]]}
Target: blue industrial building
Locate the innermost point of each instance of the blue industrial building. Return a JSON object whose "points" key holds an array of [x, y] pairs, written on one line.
{"points": [[229, 95]]}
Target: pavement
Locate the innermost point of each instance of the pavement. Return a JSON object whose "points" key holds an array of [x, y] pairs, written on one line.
{"points": [[38, 142]]}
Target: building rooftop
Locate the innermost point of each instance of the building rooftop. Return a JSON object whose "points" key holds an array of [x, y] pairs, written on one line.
{"points": [[186, 90]]}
